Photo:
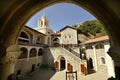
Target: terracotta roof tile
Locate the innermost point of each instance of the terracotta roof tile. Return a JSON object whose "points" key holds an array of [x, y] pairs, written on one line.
{"points": [[97, 39]]}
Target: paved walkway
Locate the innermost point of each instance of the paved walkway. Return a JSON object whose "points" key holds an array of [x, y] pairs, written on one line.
{"points": [[46, 74]]}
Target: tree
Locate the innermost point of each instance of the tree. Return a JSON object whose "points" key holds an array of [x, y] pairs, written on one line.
{"points": [[92, 27]]}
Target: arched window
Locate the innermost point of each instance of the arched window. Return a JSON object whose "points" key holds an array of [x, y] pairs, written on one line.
{"points": [[41, 23], [40, 52], [23, 35], [24, 53], [102, 60], [33, 52], [23, 38]]}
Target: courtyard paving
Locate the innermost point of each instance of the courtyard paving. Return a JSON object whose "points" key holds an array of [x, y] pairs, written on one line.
{"points": [[47, 74]]}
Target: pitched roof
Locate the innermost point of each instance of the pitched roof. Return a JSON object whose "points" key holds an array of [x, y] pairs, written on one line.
{"points": [[97, 39], [67, 27], [34, 30]]}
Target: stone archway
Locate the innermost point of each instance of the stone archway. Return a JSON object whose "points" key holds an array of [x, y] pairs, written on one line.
{"points": [[14, 14]]}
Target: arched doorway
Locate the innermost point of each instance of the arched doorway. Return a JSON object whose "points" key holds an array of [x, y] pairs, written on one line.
{"points": [[90, 63], [62, 63], [90, 66]]}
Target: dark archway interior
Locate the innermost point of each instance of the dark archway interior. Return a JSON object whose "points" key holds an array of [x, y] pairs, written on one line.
{"points": [[62, 63]]}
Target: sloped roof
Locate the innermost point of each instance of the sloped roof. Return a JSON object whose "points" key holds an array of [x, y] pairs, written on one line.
{"points": [[34, 30], [97, 39], [67, 27]]}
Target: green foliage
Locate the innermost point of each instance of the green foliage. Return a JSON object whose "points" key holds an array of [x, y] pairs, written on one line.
{"points": [[90, 28]]}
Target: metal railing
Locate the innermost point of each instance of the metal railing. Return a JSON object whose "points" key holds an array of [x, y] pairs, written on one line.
{"points": [[72, 51]]}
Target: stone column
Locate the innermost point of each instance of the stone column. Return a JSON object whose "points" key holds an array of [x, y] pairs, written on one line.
{"points": [[7, 62], [114, 52]]}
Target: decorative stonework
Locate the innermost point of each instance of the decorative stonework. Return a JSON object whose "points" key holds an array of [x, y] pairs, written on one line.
{"points": [[13, 53]]}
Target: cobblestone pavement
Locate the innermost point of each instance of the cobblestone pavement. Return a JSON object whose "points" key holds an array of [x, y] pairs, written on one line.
{"points": [[47, 74]]}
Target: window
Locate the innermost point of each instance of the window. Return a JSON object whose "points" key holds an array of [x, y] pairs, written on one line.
{"points": [[41, 23], [102, 60], [69, 36]]}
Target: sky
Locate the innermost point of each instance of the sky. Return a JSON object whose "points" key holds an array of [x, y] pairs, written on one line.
{"points": [[61, 15]]}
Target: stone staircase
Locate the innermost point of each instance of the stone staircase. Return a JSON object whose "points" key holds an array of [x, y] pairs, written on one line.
{"points": [[72, 51], [54, 53]]}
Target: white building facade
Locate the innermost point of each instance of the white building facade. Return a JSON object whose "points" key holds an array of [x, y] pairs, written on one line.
{"points": [[95, 51]]}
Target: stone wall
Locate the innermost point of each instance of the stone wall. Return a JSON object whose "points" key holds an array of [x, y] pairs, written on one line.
{"points": [[28, 65], [68, 36]]}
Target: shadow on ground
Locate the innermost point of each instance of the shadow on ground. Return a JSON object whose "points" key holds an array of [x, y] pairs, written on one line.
{"points": [[40, 74]]}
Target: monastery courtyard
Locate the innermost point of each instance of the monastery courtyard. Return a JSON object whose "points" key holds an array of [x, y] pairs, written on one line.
{"points": [[47, 74]]}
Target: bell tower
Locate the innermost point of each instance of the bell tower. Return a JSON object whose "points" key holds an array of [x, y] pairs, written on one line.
{"points": [[42, 25], [43, 22], [43, 28]]}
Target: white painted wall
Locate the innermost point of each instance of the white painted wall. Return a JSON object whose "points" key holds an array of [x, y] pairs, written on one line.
{"points": [[109, 61]]}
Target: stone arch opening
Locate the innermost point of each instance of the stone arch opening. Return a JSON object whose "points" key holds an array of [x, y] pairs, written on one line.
{"points": [[24, 53], [40, 52], [56, 42], [33, 52], [96, 10], [24, 38]]}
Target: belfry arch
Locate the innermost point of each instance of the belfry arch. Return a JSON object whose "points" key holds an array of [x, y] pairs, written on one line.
{"points": [[15, 14]]}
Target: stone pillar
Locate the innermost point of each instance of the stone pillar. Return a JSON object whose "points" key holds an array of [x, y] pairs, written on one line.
{"points": [[114, 52], [7, 62], [95, 58]]}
